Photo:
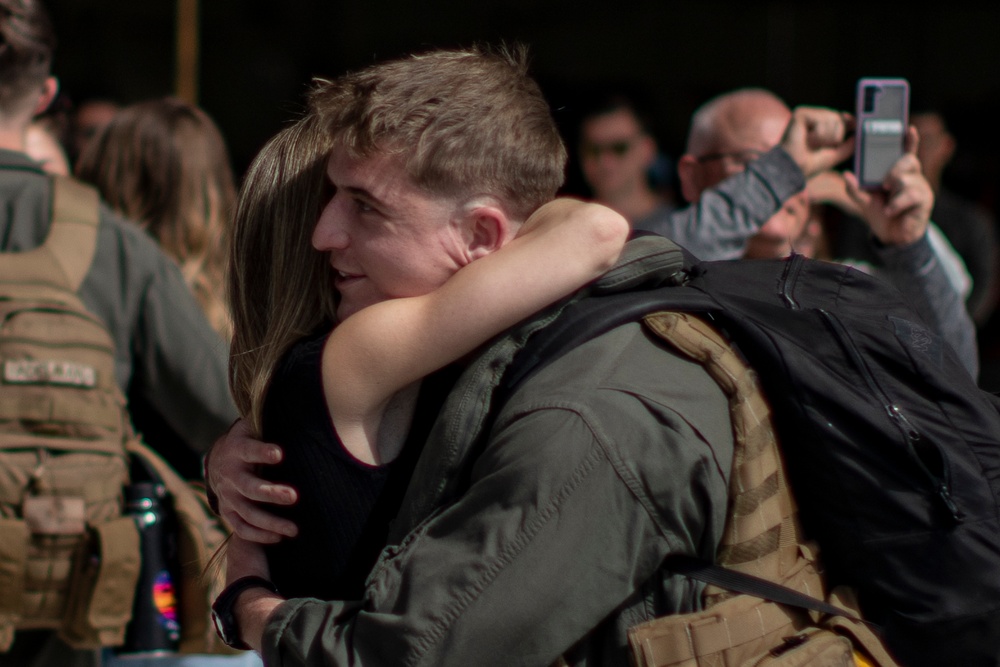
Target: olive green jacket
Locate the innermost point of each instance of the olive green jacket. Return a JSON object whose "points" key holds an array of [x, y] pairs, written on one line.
{"points": [[543, 537]]}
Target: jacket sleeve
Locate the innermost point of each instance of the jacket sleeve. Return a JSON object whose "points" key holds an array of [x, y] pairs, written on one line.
{"points": [[718, 225], [180, 362], [168, 353], [569, 511], [919, 271]]}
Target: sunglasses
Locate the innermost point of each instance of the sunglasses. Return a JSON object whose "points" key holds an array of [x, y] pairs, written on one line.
{"points": [[617, 148]]}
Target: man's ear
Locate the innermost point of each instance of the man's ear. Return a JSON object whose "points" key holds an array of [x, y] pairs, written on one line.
{"points": [[488, 229], [948, 146], [49, 91], [689, 174]]}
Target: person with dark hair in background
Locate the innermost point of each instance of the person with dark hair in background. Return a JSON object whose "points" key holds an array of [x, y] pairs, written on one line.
{"points": [[617, 153], [165, 349], [970, 228], [89, 116]]}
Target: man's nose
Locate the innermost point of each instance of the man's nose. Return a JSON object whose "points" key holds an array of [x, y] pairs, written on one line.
{"points": [[329, 233]]}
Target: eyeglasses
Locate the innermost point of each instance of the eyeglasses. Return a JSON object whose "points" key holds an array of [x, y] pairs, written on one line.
{"points": [[739, 158], [618, 148]]}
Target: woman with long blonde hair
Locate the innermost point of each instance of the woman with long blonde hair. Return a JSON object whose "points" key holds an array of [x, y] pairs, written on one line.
{"points": [[163, 163]]}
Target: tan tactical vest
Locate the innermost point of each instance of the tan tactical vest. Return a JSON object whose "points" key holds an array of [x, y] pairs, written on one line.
{"points": [[762, 538], [69, 558]]}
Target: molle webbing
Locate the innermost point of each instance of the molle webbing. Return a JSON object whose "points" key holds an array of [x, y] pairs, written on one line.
{"points": [[761, 538], [762, 535], [69, 559]]}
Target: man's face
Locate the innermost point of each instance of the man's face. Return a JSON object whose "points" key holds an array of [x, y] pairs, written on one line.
{"points": [[386, 237], [936, 145], [736, 144], [741, 136], [614, 153], [90, 119]]}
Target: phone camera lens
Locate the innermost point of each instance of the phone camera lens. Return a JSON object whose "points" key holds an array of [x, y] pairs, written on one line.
{"points": [[869, 98]]}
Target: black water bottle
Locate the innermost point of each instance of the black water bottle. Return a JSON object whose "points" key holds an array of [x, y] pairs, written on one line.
{"points": [[155, 628]]}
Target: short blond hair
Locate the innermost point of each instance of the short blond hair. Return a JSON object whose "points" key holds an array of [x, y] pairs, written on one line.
{"points": [[463, 123]]}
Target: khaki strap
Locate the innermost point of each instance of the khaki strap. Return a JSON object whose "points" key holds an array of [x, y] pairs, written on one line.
{"points": [[200, 535], [111, 606], [14, 538], [98, 613], [762, 516], [39, 405], [68, 251], [762, 535]]}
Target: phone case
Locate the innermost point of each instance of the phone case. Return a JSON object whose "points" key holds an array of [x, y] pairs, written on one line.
{"points": [[882, 118]]}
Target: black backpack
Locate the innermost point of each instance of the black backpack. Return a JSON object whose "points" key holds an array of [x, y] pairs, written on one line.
{"points": [[892, 450]]}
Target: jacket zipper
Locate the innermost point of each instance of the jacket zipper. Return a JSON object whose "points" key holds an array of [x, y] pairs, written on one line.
{"points": [[789, 276], [911, 436]]}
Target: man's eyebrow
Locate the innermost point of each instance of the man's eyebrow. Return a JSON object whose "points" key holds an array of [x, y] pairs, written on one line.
{"points": [[356, 191]]}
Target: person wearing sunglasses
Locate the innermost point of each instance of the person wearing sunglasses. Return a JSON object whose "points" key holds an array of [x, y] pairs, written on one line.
{"points": [[618, 156]]}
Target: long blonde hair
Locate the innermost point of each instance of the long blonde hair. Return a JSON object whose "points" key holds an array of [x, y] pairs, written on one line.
{"points": [[279, 286], [163, 163]]}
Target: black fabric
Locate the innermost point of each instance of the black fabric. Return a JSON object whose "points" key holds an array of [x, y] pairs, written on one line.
{"points": [[893, 452], [345, 506]]}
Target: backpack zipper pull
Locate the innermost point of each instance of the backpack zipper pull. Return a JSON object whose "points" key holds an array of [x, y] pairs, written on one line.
{"points": [[940, 485], [944, 493]]}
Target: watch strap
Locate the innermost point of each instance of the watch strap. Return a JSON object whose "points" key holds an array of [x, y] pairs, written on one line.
{"points": [[222, 609]]}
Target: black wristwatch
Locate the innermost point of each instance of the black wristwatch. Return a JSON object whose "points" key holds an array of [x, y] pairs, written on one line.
{"points": [[222, 609]]}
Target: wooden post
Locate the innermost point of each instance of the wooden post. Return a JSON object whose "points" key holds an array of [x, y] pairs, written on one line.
{"points": [[186, 82]]}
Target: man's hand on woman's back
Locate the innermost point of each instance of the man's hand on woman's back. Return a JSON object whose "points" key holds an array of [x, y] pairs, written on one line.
{"points": [[231, 475]]}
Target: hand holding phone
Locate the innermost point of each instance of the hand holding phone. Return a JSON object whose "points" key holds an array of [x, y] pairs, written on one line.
{"points": [[899, 211], [882, 119]]}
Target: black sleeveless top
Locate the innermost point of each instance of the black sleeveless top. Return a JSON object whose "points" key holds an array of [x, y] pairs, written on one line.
{"points": [[344, 506]]}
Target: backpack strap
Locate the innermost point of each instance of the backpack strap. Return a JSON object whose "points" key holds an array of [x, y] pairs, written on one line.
{"points": [[65, 256], [200, 535], [762, 536], [762, 553], [747, 584]]}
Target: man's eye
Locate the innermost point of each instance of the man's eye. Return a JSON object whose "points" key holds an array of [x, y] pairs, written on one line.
{"points": [[363, 206]]}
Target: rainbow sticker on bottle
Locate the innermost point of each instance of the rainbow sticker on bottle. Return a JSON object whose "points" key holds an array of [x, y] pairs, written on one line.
{"points": [[165, 601]]}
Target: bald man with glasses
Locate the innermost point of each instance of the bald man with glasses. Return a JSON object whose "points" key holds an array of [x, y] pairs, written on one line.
{"points": [[735, 141]]}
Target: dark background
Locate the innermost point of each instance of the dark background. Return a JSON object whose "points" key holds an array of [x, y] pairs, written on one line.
{"points": [[257, 56]]}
